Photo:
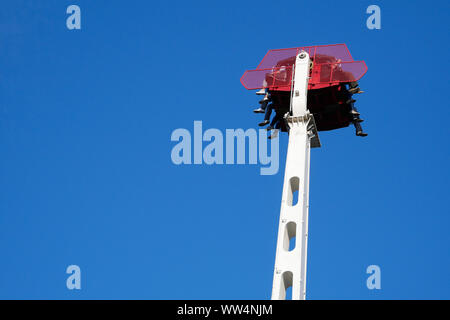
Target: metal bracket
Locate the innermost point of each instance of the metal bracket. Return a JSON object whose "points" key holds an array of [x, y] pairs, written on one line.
{"points": [[312, 128]]}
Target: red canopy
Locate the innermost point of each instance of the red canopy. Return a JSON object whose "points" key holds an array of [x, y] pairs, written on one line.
{"points": [[332, 64]]}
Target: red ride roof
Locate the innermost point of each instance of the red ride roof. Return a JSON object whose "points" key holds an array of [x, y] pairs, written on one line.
{"points": [[332, 64]]}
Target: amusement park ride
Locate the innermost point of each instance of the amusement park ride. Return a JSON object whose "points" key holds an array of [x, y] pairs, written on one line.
{"points": [[312, 88]]}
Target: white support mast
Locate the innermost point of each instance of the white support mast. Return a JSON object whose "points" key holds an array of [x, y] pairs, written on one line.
{"points": [[290, 260]]}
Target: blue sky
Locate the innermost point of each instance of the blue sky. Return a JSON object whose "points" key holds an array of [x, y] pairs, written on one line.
{"points": [[86, 176]]}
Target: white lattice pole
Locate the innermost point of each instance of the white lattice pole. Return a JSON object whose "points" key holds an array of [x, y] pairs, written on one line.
{"points": [[290, 260]]}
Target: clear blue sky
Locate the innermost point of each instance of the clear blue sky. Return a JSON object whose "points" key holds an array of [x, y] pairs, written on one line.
{"points": [[86, 176]]}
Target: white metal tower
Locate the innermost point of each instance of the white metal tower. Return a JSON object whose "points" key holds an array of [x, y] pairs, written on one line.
{"points": [[331, 75], [290, 260]]}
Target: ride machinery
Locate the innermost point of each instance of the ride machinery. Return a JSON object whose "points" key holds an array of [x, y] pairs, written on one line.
{"points": [[312, 87]]}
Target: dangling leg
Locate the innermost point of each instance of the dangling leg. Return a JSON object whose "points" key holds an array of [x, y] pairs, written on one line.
{"points": [[275, 126], [354, 114], [264, 102], [354, 88], [274, 121], [264, 90], [359, 130], [356, 120], [267, 115]]}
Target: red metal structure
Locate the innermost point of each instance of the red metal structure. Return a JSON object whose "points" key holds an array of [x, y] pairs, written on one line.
{"points": [[332, 69]]}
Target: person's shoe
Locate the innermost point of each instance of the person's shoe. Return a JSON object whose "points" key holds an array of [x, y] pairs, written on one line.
{"points": [[359, 120], [273, 135], [261, 92], [354, 90], [361, 134], [354, 112], [259, 110], [263, 123], [269, 128]]}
